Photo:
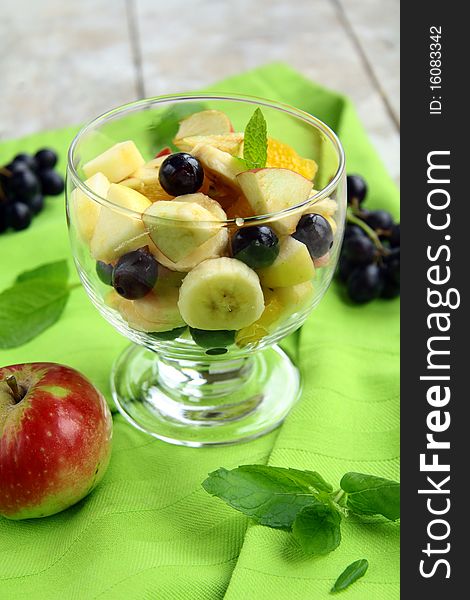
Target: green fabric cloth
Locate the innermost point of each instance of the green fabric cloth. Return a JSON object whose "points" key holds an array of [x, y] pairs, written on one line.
{"points": [[150, 531]]}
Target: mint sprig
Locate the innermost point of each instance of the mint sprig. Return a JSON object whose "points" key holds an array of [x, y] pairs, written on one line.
{"points": [[317, 528], [33, 303], [303, 502], [370, 495], [271, 495], [255, 142]]}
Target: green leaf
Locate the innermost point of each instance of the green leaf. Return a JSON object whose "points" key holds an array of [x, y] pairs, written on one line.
{"points": [[166, 126], [372, 495], [352, 573], [56, 271], [318, 529], [271, 495], [28, 308], [255, 146]]}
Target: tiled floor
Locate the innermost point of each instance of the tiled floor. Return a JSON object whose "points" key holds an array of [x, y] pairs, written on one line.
{"points": [[64, 62]]}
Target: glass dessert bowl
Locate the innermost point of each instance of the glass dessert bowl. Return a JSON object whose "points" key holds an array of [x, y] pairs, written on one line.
{"points": [[205, 243]]}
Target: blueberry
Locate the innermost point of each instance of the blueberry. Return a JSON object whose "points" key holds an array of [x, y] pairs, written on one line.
{"points": [[4, 217], [359, 250], [394, 238], [36, 204], [135, 274], [181, 174], [104, 272], [14, 167], [315, 232], [46, 159], [256, 246], [216, 342], [345, 268], [166, 336], [357, 189], [20, 216], [23, 184], [379, 219], [392, 265], [353, 230], [52, 183], [24, 160], [390, 289], [365, 283]]}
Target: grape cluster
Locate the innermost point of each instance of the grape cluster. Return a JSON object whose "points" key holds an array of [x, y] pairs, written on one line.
{"points": [[23, 184], [370, 257]]}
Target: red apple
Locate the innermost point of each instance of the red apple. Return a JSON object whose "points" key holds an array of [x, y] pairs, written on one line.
{"points": [[55, 439], [163, 152]]}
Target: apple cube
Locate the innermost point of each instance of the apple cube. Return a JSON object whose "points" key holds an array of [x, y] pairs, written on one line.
{"points": [[292, 266], [117, 163], [205, 122], [221, 165], [271, 190], [116, 232], [86, 210], [178, 228], [294, 298]]}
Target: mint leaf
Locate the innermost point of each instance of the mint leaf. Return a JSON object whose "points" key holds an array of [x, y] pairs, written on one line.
{"points": [[350, 574], [318, 529], [28, 308], [56, 271], [372, 495], [271, 495], [255, 145]]}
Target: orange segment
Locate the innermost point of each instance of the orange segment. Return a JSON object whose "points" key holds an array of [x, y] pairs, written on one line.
{"points": [[260, 328], [283, 156]]}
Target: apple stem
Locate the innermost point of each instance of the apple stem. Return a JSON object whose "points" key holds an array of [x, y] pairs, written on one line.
{"points": [[15, 390]]}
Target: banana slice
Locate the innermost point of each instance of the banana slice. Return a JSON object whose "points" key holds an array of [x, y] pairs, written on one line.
{"points": [[220, 165], [221, 293], [208, 203], [145, 180], [215, 247], [231, 142], [326, 207], [155, 312]]}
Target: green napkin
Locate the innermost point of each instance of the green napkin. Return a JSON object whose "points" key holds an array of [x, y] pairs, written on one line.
{"points": [[149, 531]]}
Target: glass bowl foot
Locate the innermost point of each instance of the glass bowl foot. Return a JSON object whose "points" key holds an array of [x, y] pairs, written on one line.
{"points": [[204, 403]]}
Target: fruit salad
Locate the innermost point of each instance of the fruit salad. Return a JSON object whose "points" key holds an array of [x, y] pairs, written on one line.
{"points": [[212, 241]]}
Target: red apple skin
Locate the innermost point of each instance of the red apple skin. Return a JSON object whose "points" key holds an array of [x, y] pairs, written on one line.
{"points": [[163, 152], [55, 443]]}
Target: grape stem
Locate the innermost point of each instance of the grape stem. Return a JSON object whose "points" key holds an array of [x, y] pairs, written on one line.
{"points": [[338, 496], [355, 220]]}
